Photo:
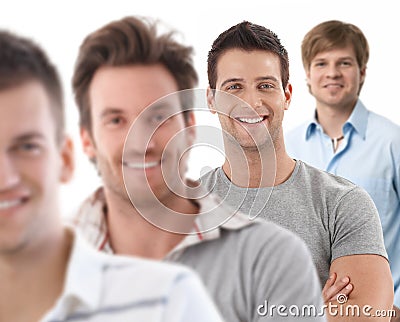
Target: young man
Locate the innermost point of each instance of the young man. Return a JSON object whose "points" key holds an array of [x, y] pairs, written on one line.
{"points": [[47, 272], [336, 219], [121, 69], [344, 138]]}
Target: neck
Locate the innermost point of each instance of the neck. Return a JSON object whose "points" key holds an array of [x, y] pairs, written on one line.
{"points": [[332, 118], [253, 168], [132, 234], [35, 276]]}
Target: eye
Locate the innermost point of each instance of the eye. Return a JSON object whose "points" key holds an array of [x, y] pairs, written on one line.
{"points": [[266, 86], [30, 148], [346, 63], [233, 87], [319, 64], [158, 118], [115, 121]]}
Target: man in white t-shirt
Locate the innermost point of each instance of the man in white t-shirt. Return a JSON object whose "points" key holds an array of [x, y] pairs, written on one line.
{"points": [[47, 271]]}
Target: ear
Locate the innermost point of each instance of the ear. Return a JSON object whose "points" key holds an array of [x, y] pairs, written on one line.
{"points": [[363, 73], [308, 77], [288, 96], [67, 158], [87, 144], [191, 127], [211, 100]]}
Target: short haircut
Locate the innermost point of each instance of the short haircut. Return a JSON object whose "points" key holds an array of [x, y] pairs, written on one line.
{"points": [[21, 61], [129, 41], [333, 34], [247, 36]]}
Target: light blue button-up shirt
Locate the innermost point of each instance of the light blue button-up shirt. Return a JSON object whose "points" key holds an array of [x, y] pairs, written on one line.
{"points": [[369, 155]]}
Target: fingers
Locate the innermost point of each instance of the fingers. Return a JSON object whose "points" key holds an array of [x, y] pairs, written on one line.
{"points": [[333, 287], [346, 290]]}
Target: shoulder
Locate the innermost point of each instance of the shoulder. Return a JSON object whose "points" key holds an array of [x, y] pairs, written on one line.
{"points": [[90, 211], [145, 273], [264, 240], [388, 130], [333, 189], [320, 178], [210, 176], [297, 132], [118, 271]]}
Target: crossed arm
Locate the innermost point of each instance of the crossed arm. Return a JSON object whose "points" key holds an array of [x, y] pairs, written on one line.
{"points": [[371, 288]]}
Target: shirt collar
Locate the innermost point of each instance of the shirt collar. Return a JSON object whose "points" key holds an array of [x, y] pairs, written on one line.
{"points": [[313, 124], [358, 120], [219, 216], [83, 281], [91, 221]]}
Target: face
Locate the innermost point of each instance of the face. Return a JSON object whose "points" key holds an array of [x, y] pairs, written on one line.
{"points": [[254, 80], [31, 167], [334, 78], [119, 97]]}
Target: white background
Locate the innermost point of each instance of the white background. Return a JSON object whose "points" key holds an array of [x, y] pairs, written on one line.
{"points": [[60, 26]]}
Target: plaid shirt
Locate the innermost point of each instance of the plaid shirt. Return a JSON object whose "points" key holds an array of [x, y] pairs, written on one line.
{"points": [[90, 221]]}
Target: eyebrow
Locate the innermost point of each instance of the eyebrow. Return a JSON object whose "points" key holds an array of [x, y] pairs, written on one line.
{"points": [[267, 78], [231, 80], [262, 78], [340, 58], [29, 136], [165, 106], [110, 111]]}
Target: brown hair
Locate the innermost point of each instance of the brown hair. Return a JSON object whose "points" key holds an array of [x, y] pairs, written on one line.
{"points": [[334, 34], [21, 61], [247, 36], [131, 40]]}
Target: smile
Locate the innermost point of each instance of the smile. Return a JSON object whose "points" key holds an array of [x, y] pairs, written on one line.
{"points": [[333, 85], [141, 165], [6, 204], [251, 120]]}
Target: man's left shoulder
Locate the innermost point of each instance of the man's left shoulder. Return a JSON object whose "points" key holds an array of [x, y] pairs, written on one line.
{"points": [[297, 132], [388, 129]]}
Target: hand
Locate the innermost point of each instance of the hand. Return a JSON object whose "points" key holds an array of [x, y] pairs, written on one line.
{"points": [[397, 317], [333, 288]]}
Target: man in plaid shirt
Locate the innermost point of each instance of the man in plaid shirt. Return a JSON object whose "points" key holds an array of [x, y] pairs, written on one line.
{"points": [[121, 69]]}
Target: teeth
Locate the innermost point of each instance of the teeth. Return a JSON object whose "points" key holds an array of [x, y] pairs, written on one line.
{"points": [[9, 203], [142, 165], [250, 120]]}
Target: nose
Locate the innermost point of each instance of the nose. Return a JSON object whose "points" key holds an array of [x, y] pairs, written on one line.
{"points": [[333, 71], [9, 176], [140, 139], [253, 99]]}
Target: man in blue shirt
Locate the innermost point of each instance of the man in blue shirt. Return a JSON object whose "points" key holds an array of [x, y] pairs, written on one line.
{"points": [[344, 138]]}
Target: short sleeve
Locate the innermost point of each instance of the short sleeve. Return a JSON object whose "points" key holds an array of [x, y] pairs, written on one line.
{"points": [[357, 228]]}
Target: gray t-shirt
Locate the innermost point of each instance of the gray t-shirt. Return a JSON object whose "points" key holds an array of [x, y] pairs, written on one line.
{"points": [[332, 215], [247, 266], [253, 270]]}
